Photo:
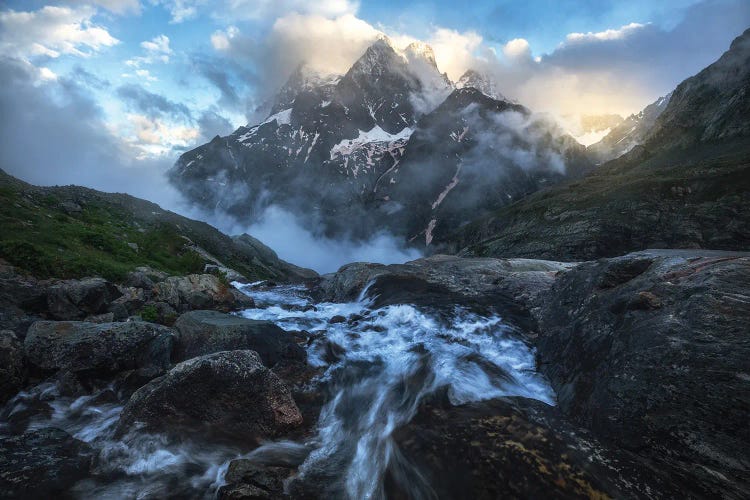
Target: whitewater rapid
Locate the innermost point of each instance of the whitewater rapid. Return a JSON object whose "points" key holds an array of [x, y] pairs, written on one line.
{"points": [[376, 366]]}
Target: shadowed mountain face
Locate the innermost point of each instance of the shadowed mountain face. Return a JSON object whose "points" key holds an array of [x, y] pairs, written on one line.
{"points": [[686, 186], [390, 145]]}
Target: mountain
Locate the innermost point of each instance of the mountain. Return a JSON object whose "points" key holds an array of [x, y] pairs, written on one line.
{"points": [[629, 132], [482, 82], [347, 154], [686, 186], [73, 232]]}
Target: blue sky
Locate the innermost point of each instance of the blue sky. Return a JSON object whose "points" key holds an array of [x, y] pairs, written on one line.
{"points": [[147, 79]]}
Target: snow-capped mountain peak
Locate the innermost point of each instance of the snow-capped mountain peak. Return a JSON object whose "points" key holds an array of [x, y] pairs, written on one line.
{"points": [[304, 79], [417, 51], [482, 82]]}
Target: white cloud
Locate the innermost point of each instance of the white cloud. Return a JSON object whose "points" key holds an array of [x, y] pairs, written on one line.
{"points": [[610, 34], [156, 50], [517, 49], [116, 6], [222, 40], [154, 136], [255, 10], [52, 32]]}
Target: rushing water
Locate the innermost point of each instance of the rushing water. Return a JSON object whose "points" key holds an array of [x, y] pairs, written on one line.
{"points": [[376, 368]]}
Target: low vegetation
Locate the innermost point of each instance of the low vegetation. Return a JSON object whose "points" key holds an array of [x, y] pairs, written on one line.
{"points": [[70, 233]]}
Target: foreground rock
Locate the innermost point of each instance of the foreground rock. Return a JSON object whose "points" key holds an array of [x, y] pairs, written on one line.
{"points": [[108, 347], [229, 394], [42, 464], [12, 370], [200, 291], [77, 299], [509, 448], [650, 351], [207, 332], [246, 479], [442, 280]]}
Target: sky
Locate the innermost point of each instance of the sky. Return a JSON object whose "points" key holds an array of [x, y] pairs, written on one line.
{"points": [[108, 93]]}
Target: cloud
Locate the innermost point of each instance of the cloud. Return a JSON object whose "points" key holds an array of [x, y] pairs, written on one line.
{"points": [[618, 70], [295, 241], [53, 133], [151, 104], [156, 50], [51, 32], [155, 136], [115, 6], [254, 10]]}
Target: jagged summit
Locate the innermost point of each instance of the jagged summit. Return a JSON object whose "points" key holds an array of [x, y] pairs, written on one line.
{"points": [[381, 147], [482, 82], [304, 79], [420, 51]]}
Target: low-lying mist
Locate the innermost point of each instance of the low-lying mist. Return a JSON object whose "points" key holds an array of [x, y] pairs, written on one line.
{"points": [[302, 245]]}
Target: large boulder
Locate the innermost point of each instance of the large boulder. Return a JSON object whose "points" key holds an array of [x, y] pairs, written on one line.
{"points": [[200, 291], [12, 372], [246, 479], [107, 347], [76, 299], [227, 394], [206, 332], [510, 448], [44, 463], [21, 298], [650, 351], [510, 285]]}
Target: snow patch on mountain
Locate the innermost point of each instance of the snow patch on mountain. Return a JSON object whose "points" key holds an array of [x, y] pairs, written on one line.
{"points": [[282, 117], [376, 134]]}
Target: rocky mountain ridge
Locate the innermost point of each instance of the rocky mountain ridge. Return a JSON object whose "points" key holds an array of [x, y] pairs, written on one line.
{"points": [[337, 155], [686, 186]]}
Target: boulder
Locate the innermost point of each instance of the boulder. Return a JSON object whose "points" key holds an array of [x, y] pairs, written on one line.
{"points": [[76, 299], [247, 479], [144, 277], [44, 463], [108, 347], [650, 351], [21, 297], [200, 291], [227, 394], [131, 301], [511, 448], [12, 372], [207, 332]]}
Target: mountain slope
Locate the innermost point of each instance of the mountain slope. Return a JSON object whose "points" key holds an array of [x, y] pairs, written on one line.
{"points": [[72, 232], [631, 132], [687, 186]]}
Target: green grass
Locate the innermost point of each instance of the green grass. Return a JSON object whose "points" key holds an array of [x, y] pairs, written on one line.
{"points": [[40, 237]]}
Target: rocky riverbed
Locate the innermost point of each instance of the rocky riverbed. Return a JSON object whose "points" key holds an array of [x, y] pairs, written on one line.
{"points": [[445, 377]]}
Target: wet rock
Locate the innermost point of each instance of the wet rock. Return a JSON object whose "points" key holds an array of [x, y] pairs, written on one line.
{"points": [[200, 291], [107, 347], [130, 302], [44, 463], [12, 370], [76, 299], [206, 332], [337, 319], [229, 394], [657, 361], [101, 318], [247, 480], [144, 277], [20, 298], [332, 352], [509, 448]]}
